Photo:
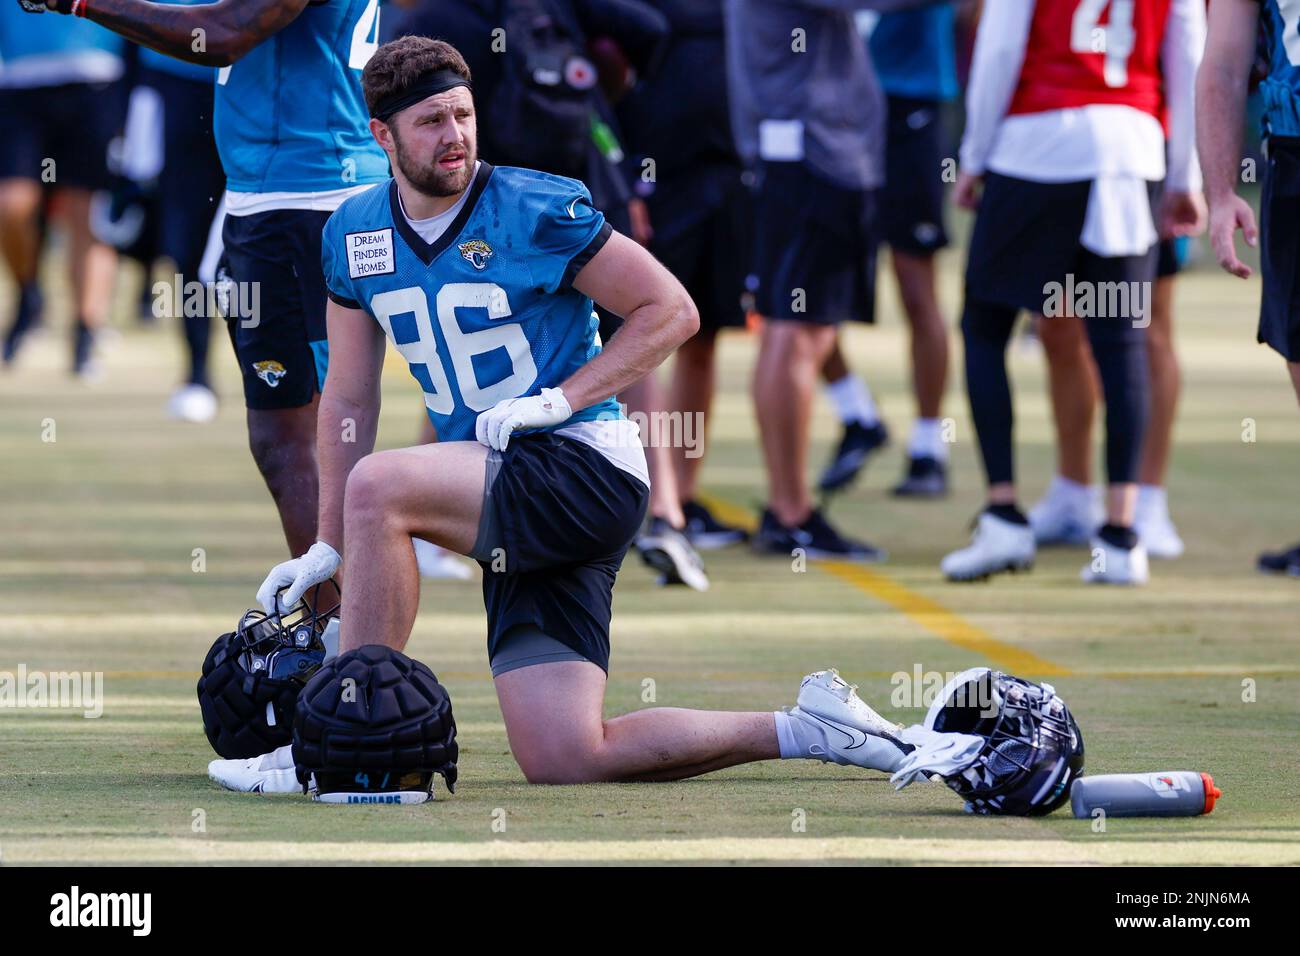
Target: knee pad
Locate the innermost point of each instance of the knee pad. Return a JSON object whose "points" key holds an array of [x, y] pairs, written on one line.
{"points": [[252, 677], [374, 726]]}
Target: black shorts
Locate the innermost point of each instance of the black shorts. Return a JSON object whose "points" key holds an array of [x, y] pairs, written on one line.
{"points": [[701, 221], [558, 518], [1026, 240], [1279, 310], [1168, 262], [192, 180], [277, 315], [910, 206], [69, 126], [814, 247]]}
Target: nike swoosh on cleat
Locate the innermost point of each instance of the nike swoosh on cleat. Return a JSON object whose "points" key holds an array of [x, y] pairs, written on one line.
{"points": [[856, 737]]}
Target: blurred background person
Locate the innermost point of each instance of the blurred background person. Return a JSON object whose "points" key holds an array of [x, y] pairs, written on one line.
{"points": [[61, 104]]}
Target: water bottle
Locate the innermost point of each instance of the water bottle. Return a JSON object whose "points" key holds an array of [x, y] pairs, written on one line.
{"points": [[1170, 793]]}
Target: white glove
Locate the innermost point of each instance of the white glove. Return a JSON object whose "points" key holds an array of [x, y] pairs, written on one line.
{"points": [[935, 753], [297, 575], [495, 426]]}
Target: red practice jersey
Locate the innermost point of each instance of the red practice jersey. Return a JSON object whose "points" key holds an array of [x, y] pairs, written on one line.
{"points": [[1086, 52]]}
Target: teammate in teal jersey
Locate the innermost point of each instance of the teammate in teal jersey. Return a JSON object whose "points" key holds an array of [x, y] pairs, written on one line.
{"points": [[1221, 88], [485, 279], [291, 132]]}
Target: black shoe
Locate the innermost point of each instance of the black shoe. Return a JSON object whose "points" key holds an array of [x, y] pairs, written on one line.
{"points": [[83, 351], [26, 318], [706, 532], [815, 538], [666, 550], [926, 478], [855, 448], [1280, 562]]}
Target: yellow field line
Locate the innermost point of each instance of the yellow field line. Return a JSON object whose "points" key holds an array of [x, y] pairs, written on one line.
{"points": [[1095, 850], [926, 612]]}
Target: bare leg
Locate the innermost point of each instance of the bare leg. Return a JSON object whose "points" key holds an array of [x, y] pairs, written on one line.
{"points": [[691, 393], [1165, 380], [916, 285], [433, 492], [20, 239], [646, 396], [91, 264], [283, 443], [789, 358], [836, 366], [1294, 369], [553, 720], [1075, 392]]}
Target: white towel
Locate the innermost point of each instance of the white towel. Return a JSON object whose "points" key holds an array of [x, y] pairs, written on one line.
{"points": [[935, 753]]}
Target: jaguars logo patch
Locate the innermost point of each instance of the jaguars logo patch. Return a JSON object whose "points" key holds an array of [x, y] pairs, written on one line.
{"points": [[270, 371], [476, 252]]}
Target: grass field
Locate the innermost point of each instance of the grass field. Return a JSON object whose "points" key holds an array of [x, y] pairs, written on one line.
{"points": [[98, 531]]}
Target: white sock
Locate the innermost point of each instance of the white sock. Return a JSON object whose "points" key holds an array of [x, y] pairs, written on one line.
{"points": [[852, 400], [927, 440], [281, 758], [796, 737], [1069, 488]]}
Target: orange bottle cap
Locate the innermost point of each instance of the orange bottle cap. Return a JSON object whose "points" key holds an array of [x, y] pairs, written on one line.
{"points": [[1212, 792]]}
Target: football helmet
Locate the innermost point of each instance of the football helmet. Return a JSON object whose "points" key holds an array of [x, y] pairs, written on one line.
{"points": [[1033, 747], [252, 676], [374, 726]]}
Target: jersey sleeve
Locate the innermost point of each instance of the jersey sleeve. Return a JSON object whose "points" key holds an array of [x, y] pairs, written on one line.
{"points": [[567, 233], [334, 263]]}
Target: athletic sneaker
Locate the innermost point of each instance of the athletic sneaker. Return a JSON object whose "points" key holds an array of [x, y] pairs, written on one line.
{"points": [[926, 478], [839, 727], [706, 532], [996, 545], [856, 446], [1114, 564], [83, 353], [1154, 526], [26, 318], [193, 403], [269, 773], [666, 550], [1280, 562], [815, 537], [1067, 514]]}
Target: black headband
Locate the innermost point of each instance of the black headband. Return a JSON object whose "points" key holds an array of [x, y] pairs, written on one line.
{"points": [[425, 85]]}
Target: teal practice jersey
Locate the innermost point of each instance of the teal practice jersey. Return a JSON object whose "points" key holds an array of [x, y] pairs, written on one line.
{"points": [[488, 311], [289, 114], [1280, 90]]}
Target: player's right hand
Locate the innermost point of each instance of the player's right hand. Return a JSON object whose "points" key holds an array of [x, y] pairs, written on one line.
{"points": [[1226, 217], [967, 193], [296, 576]]}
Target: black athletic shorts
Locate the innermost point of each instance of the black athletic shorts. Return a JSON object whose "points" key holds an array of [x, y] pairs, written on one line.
{"points": [[59, 135], [701, 221], [273, 283], [814, 247], [1027, 239], [1279, 311], [911, 202], [558, 518]]}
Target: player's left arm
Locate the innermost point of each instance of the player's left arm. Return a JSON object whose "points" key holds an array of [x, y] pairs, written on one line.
{"points": [[212, 34], [1183, 207], [658, 315]]}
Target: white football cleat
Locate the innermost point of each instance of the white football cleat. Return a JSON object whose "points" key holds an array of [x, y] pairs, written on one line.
{"points": [[844, 729], [1115, 565], [1154, 526], [193, 403], [666, 550], [269, 773], [440, 564], [1067, 514], [996, 546]]}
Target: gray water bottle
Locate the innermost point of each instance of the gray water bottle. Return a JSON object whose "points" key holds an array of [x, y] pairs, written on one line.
{"points": [[1170, 793]]}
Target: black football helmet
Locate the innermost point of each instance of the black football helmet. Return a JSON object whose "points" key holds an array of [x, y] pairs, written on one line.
{"points": [[252, 676], [1033, 747]]}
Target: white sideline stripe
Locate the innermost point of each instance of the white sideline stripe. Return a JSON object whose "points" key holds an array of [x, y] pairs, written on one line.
{"points": [[1091, 850]]}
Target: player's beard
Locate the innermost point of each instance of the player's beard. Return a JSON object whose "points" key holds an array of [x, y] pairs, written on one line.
{"points": [[429, 178]]}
